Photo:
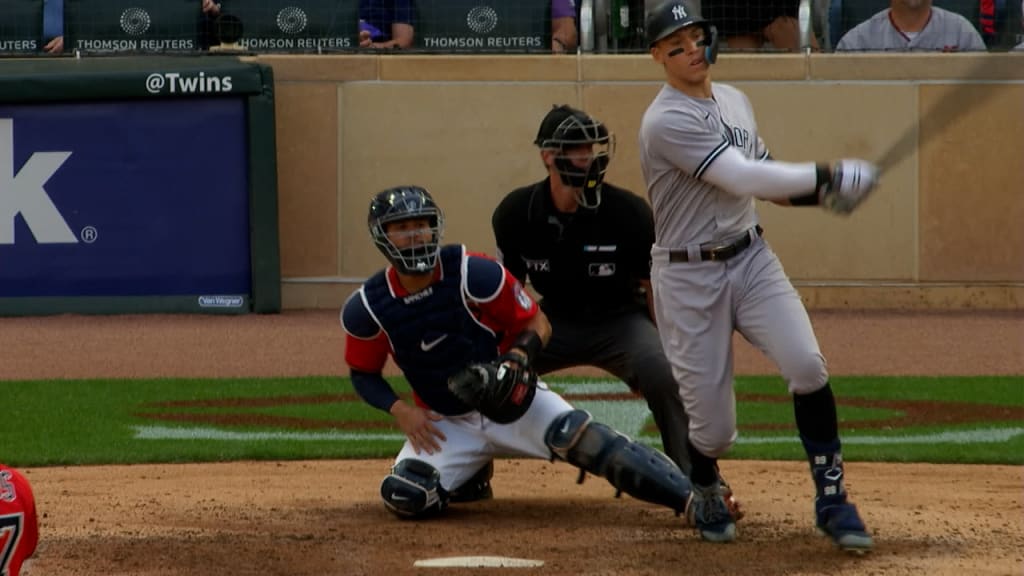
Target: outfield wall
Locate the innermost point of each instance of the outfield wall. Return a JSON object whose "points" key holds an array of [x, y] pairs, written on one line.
{"points": [[943, 231]]}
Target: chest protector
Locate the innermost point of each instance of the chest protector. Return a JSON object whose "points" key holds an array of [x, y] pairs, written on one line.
{"points": [[433, 332]]}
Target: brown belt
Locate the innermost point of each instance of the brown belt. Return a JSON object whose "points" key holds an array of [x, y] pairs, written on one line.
{"points": [[719, 253]]}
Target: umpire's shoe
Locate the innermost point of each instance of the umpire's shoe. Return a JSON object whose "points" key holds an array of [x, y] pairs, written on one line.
{"points": [[838, 519], [477, 488], [708, 511]]}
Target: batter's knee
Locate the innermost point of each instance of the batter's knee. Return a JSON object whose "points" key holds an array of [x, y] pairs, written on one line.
{"points": [[413, 489], [806, 374], [713, 441]]}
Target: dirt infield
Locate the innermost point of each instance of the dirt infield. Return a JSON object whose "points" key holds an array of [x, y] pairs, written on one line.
{"points": [[324, 517]]}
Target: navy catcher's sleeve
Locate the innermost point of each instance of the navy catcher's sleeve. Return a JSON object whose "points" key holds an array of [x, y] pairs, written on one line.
{"points": [[374, 390]]}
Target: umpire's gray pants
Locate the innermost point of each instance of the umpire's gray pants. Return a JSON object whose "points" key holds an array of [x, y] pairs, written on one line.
{"points": [[626, 345]]}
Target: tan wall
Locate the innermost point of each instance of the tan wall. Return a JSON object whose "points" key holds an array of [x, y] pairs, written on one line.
{"points": [[943, 230]]}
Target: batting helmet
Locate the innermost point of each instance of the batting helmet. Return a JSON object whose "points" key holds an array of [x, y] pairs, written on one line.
{"points": [[670, 15], [565, 127], [406, 203]]}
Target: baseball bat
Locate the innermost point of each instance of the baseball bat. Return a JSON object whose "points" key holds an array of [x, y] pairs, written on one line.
{"points": [[943, 112]]}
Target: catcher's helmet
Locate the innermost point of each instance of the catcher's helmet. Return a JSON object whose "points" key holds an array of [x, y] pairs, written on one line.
{"points": [[565, 127], [670, 15], [405, 203]]}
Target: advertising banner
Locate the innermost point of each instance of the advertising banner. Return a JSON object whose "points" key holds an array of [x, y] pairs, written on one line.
{"points": [[472, 26], [126, 198]]}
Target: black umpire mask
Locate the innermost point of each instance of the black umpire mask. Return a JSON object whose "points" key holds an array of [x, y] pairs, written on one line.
{"points": [[572, 134], [586, 182]]}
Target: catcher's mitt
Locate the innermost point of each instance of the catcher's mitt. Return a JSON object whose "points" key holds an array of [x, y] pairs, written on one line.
{"points": [[501, 391]]}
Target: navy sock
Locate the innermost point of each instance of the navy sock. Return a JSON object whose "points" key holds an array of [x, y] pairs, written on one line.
{"points": [[705, 468], [816, 418]]}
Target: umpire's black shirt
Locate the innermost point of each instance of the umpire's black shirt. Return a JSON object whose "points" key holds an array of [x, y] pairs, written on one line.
{"points": [[582, 263]]}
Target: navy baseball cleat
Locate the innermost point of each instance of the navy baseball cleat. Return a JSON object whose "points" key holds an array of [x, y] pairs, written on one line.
{"points": [[839, 520], [710, 514]]}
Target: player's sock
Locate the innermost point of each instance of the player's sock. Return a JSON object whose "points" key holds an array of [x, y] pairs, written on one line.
{"points": [[816, 415], [704, 471]]}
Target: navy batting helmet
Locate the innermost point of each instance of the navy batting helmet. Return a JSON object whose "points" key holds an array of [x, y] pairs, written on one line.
{"points": [[406, 203], [565, 127], [670, 15]]}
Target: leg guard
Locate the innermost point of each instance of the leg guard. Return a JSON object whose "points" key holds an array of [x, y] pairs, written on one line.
{"points": [[413, 489], [631, 467]]}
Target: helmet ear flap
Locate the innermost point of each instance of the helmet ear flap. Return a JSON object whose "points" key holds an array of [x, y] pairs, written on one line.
{"points": [[711, 43]]}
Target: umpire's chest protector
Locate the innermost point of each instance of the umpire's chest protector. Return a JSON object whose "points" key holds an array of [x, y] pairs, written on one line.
{"points": [[432, 332]]}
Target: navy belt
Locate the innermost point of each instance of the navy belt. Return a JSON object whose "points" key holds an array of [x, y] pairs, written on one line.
{"points": [[718, 252]]}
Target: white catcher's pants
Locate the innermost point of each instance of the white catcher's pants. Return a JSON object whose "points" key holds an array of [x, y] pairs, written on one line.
{"points": [[473, 440]]}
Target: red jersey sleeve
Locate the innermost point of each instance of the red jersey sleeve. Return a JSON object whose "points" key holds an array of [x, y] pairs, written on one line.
{"points": [[503, 304], [366, 345]]}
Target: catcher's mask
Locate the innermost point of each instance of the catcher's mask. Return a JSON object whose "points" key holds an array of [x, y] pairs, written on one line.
{"points": [[667, 17], [575, 135], [406, 203]]}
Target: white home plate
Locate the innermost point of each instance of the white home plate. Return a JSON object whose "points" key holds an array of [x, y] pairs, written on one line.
{"points": [[478, 562]]}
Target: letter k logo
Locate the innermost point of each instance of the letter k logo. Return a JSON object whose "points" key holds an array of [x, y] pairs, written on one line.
{"points": [[23, 193]]}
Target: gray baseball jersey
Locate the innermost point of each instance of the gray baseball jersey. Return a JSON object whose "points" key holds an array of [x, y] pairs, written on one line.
{"points": [[680, 137], [699, 304], [945, 31]]}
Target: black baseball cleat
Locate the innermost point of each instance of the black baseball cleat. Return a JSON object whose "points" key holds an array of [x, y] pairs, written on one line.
{"points": [[477, 488]]}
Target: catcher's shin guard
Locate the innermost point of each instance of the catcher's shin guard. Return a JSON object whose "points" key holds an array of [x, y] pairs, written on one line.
{"points": [[631, 467], [413, 489]]}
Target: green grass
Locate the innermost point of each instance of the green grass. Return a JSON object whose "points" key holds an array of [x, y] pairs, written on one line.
{"points": [[96, 421]]}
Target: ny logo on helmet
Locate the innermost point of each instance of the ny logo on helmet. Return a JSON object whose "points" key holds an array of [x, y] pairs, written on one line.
{"points": [[679, 12]]}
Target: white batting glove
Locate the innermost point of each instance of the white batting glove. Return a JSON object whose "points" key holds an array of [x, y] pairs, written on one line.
{"points": [[851, 182]]}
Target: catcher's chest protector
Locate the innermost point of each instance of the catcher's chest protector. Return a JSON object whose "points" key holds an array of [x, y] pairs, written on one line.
{"points": [[432, 332]]}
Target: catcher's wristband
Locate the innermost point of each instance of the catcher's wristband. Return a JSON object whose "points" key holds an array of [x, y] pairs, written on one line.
{"points": [[528, 341], [823, 178]]}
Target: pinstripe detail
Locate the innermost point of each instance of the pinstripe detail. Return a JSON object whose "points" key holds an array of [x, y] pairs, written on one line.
{"points": [[710, 158]]}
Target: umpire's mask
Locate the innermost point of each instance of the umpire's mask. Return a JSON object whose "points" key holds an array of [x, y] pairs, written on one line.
{"points": [[584, 147]]}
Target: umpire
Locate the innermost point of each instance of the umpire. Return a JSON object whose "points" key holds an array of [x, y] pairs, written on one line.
{"points": [[586, 247]]}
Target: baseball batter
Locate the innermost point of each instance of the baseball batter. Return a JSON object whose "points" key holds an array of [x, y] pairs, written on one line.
{"points": [[713, 273], [464, 333], [19, 525]]}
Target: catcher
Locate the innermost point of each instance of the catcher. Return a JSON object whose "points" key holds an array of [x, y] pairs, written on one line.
{"points": [[464, 333]]}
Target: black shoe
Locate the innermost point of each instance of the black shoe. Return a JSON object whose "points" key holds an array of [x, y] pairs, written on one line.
{"points": [[477, 488]]}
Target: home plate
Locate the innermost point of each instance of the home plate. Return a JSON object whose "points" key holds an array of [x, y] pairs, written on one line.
{"points": [[478, 562]]}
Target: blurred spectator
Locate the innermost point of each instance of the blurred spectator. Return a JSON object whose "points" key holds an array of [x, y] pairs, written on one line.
{"points": [[909, 25], [53, 26], [210, 36], [756, 24], [1021, 45], [563, 26], [385, 24]]}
